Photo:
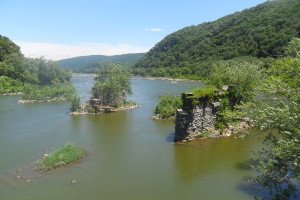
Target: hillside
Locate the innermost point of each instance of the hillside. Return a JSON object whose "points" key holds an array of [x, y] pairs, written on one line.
{"points": [[89, 63], [261, 31]]}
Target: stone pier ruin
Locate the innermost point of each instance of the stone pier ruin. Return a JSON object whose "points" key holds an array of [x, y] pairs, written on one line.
{"points": [[198, 113]]}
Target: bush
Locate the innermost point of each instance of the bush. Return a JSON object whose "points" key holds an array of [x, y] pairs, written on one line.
{"points": [[206, 92], [9, 85], [167, 106], [75, 104], [243, 77], [45, 93]]}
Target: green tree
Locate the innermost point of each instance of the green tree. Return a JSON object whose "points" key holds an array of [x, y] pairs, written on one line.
{"points": [[112, 85], [167, 106], [242, 77]]}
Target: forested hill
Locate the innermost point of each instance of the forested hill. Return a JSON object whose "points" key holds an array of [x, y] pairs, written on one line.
{"points": [[261, 31], [89, 63]]}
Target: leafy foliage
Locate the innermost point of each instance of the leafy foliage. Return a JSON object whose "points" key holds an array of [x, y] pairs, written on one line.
{"points": [[61, 157], [279, 120], [112, 85], [167, 106], [293, 48], [48, 93], [75, 104], [9, 85], [20, 74], [241, 77], [208, 92]]}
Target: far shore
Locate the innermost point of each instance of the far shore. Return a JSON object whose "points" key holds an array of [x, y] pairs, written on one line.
{"points": [[166, 79], [152, 78]]}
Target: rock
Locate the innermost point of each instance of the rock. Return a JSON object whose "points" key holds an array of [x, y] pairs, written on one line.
{"points": [[45, 155], [18, 170], [18, 177], [216, 104], [73, 181], [28, 180], [225, 87]]}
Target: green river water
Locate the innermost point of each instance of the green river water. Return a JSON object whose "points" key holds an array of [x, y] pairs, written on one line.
{"points": [[130, 156]]}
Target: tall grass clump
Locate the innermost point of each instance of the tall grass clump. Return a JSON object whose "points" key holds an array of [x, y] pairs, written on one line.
{"points": [[61, 157]]}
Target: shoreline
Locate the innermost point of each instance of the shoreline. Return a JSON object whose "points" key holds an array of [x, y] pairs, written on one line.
{"points": [[231, 130], [123, 108], [41, 101], [12, 94], [147, 77], [156, 117]]}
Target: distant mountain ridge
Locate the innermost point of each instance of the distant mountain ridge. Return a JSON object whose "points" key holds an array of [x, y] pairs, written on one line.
{"points": [[89, 63], [261, 31]]}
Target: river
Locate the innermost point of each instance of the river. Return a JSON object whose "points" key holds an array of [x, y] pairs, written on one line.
{"points": [[130, 156]]}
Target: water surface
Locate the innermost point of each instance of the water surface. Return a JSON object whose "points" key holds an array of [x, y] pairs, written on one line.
{"points": [[130, 156]]}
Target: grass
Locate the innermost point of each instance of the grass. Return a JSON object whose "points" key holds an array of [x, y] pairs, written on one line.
{"points": [[208, 92], [61, 157]]}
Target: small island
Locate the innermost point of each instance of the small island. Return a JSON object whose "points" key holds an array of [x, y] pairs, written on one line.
{"points": [[61, 157], [111, 87]]}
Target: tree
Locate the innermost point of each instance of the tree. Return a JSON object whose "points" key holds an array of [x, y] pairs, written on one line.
{"points": [[75, 104], [243, 77], [293, 48], [279, 163], [112, 85], [167, 106]]}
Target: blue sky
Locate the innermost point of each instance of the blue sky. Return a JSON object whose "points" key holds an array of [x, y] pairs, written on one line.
{"points": [[59, 29]]}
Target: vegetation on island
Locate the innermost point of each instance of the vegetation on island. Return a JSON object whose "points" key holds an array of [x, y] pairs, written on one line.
{"points": [[111, 87], [167, 106], [54, 92], [37, 79], [61, 157], [90, 64]]}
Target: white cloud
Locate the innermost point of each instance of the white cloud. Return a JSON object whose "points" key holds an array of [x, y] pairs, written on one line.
{"points": [[61, 51], [154, 30]]}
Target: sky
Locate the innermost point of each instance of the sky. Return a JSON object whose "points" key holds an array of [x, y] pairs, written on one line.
{"points": [[58, 29]]}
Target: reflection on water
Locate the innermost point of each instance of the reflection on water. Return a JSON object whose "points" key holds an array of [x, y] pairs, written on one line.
{"points": [[130, 155]]}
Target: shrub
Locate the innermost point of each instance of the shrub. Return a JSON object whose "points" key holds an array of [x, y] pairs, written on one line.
{"points": [[44, 93], [61, 157], [75, 104], [167, 106]]}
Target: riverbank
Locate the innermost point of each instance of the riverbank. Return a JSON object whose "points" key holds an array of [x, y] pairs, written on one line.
{"points": [[171, 80], [12, 94]]}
